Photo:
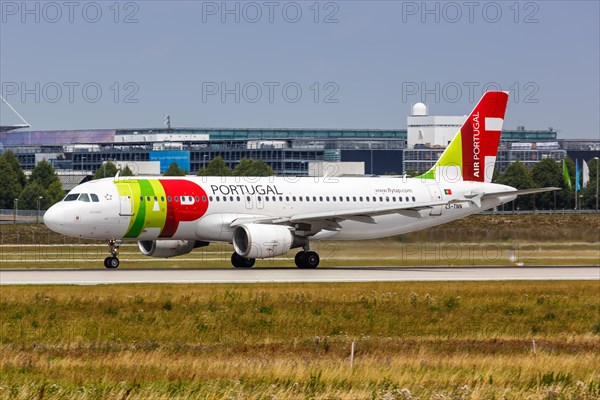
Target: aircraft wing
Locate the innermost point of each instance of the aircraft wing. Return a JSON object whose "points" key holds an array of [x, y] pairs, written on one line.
{"points": [[361, 215], [366, 214]]}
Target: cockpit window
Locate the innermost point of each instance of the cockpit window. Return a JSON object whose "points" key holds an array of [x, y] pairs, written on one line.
{"points": [[71, 197], [82, 197]]}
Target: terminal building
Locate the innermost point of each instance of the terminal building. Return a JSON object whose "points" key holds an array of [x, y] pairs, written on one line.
{"points": [[287, 151]]}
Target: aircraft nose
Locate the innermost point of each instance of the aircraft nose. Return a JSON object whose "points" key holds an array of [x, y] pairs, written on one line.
{"points": [[54, 218]]}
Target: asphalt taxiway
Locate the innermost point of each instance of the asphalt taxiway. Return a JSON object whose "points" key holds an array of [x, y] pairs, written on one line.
{"points": [[264, 275]]}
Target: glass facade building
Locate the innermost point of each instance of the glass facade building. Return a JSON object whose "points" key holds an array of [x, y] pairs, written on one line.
{"points": [[287, 151]]}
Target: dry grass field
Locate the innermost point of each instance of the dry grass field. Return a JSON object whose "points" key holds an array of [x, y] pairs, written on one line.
{"points": [[383, 252], [477, 240], [475, 228], [292, 341]]}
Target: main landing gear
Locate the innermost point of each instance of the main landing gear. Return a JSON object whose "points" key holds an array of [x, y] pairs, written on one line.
{"points": [[112, 262], [241, 262], [307, 259]]}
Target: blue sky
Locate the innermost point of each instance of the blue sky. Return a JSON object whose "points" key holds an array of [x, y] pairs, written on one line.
{"points": [[345, 64]]}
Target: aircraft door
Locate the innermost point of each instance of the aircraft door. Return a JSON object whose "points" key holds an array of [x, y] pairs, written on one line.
{"points": [[126, 202], [436, 195], [248, 202], [260, 202]]}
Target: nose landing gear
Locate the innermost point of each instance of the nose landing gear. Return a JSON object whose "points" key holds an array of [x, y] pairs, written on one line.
{"points": [[112, 262]]}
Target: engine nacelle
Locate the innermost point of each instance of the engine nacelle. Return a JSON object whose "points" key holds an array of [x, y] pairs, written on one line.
{"points": [[168, 248], [263, 241]]}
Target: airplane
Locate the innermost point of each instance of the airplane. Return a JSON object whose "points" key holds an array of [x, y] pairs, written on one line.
{"points": [[264, 217]]}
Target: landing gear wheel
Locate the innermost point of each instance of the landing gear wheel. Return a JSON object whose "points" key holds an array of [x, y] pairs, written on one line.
{"points": [[240, 262], [311, 259], [307, 260], [111, 262], [298, 259]]}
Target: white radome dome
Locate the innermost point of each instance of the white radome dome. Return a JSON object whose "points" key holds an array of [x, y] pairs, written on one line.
{"points": [[419, 109]]}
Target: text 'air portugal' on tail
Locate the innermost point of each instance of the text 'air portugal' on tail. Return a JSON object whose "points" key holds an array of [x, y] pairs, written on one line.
{"points": [[472, 153]]}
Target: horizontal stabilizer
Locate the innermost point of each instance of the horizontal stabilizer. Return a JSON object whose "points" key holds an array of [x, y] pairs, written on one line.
{"points": [[477, 197], [519, 192]]}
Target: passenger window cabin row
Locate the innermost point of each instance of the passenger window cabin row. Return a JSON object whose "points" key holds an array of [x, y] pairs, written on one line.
{"points": [[315, 199], [184, 199], [85, 197]]}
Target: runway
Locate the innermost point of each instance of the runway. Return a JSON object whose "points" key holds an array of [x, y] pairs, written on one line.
{"points": [[265, 275]]}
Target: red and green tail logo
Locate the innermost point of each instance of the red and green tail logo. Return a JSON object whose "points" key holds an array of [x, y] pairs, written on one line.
{"points": [[472, 153]]}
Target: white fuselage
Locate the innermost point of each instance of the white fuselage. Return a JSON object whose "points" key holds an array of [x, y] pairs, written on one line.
{"points": [[207, 213]]}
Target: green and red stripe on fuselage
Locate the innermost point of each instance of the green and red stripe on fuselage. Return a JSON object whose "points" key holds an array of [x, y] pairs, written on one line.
{"points": [[162, 204]]}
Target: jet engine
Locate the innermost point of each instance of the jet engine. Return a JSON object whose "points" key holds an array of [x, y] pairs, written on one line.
{"points": [[263, 241], [168, 248]]}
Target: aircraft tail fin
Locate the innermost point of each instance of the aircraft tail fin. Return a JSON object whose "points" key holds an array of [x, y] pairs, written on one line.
{"points": [[471, 155]]}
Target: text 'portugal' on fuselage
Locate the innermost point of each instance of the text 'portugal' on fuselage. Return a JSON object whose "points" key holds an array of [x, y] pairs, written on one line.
{"points": [[266, 217]]}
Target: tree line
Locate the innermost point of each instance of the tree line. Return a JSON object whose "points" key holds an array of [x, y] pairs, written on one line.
{"points": [[549, 173], [217, 167], [41, 186]]}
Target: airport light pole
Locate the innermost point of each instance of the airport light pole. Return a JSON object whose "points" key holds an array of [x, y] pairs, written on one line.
{"points": [[15, 211], [37, 216], [597, 162], [371, 148]]}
